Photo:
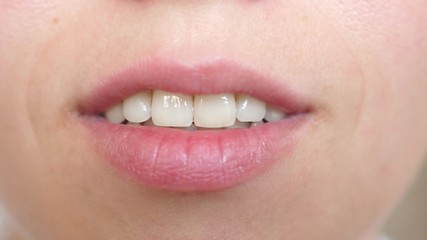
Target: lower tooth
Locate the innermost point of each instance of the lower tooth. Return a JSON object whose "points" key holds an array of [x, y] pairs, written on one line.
{"points": [[115, 114], [254, 124], [274, 114], [239, 124]]}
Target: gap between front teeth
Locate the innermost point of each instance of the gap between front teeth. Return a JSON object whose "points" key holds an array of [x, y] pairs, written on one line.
{"points": [[215, 111]]}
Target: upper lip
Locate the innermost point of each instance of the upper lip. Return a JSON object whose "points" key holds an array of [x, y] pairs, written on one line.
{"points": [[220, 76]]}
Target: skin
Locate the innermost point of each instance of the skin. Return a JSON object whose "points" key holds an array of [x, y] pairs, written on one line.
{"points": [[362, 64]]}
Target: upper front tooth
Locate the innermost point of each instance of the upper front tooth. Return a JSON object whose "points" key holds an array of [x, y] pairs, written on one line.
{"points": [[137, 109], [172, 109], [214, 111], [274, 114], [249, 109], [115, 114]]}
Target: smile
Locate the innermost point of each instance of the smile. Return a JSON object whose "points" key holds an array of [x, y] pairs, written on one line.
{"points": [[193, 128], [165, 109]]}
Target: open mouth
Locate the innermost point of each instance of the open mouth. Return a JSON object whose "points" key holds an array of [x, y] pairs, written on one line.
{"points": [[193, 128], [200, 112]]}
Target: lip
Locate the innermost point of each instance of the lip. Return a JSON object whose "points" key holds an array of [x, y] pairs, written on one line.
{"points": [[206, 160]]}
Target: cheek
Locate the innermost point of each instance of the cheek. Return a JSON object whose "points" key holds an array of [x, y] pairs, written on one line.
{"points": [[25, 23], [392, 133], [23, 26], [389, 39]]}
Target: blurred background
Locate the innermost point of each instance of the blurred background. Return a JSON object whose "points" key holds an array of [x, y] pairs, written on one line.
{"points": [[409, 221]]}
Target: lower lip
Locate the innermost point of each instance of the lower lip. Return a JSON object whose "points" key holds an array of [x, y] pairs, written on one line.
{"points": [[197, 161]]}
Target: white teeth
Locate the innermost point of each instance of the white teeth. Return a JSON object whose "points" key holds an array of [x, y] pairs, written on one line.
{"points": [[115, 114], [273, 114], [214, 111], [250, 109], [137, 109], [239, 124], [172, 109]]}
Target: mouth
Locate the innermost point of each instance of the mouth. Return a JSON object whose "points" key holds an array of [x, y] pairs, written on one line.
{"points": [[195, 128]]}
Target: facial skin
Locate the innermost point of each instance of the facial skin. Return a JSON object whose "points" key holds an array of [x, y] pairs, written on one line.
{"points": [[362, 64]]}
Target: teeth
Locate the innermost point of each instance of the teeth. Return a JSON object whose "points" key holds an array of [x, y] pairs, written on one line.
{"points": [[214, 111], [172, 109], [211, 112], [274, 114], [239, 124], [250, 109], [254, 124], [115, 114], [137, 109]]}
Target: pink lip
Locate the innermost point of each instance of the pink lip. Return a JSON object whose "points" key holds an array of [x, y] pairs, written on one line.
{"points": [[181, 160]]}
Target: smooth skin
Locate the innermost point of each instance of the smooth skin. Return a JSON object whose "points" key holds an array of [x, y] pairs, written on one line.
{"points": [[362, 64]]}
